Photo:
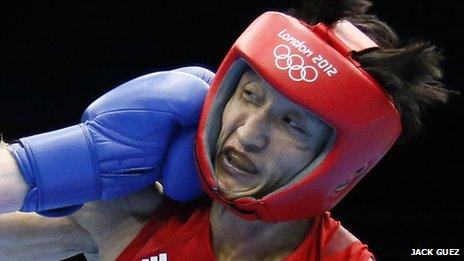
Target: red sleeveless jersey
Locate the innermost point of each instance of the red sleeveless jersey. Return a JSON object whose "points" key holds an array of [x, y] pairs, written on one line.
{"points": [[179, 232]]}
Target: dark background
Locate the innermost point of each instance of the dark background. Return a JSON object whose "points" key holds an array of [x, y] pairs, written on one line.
{"points": [[56, 58]]}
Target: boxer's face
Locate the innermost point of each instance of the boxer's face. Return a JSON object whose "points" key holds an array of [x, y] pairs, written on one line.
{"points": [[264, 141]]}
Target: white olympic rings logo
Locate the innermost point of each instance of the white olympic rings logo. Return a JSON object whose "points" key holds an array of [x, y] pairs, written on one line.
{"points": [[293, 63]]}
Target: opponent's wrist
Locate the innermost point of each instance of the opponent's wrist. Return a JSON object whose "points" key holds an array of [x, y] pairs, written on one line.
{"points": [[13, 187], [59, 168]]}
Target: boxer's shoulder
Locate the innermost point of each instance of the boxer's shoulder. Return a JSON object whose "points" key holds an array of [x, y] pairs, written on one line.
{"points": [[341, 244]]}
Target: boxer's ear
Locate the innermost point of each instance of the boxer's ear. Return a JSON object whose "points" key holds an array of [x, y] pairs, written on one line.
{"points": [[329, 11]]}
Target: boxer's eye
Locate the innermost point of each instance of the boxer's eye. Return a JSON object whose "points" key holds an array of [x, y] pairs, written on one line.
{"points": [[294, 124], [250, 96]]}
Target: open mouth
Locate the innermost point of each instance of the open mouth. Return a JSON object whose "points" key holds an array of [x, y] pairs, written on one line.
{"points": [[237, 163]]}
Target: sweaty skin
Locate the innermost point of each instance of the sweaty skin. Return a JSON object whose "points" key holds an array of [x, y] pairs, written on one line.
{"points": [[265, 140]]}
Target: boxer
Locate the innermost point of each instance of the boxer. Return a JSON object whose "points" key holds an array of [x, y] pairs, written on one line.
{"points": [[301, 108]]}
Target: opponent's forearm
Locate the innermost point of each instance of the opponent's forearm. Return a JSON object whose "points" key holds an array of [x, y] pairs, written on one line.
{"points": [[28, 236], [13, 187]]}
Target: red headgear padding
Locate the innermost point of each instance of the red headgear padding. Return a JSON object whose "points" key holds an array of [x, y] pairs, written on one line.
{"points": [[312, 67]]}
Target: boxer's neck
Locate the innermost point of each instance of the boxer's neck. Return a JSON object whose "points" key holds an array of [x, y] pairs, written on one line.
{"points": [[239, 239]]}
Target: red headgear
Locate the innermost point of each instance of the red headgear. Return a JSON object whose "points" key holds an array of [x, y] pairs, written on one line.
{"points": [[312, 67]]}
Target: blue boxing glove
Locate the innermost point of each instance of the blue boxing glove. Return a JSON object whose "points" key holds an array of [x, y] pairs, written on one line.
{"points": [[120, 146]]}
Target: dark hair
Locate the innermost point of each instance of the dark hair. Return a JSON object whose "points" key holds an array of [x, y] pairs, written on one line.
{"points": [[409, 72]]}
